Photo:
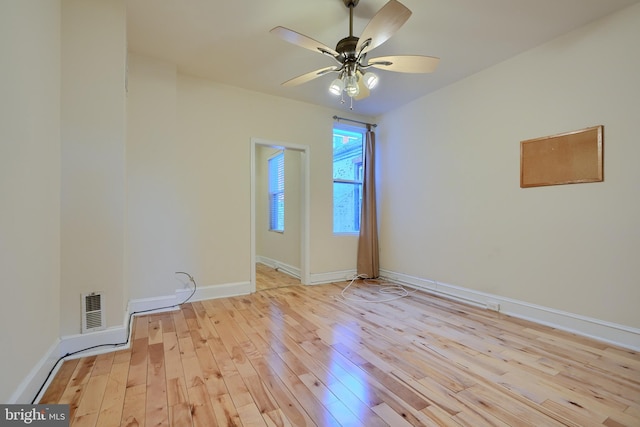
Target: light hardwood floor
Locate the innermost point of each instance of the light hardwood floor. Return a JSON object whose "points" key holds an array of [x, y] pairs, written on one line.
{"points": [[299, 356], [270, 278]]}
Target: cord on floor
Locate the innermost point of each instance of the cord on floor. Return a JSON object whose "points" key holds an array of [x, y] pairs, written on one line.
{"points": [[396, 290]]}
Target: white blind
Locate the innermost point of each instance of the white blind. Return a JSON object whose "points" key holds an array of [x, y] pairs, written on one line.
{"points": [[276, 192]]}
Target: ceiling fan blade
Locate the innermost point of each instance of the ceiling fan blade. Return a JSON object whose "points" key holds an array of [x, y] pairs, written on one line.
{"points": [[309, 76], [383, 25], [364, 91], [405, 63], [302, 41]]}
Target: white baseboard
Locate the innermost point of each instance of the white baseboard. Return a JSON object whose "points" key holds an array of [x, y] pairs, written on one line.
{"points": [[280, 266], [65, 346], [74, 343], [171, 302], [29, 387], [315, 279], [215, 291], [621, 335], [333, 276], [163, 303]]}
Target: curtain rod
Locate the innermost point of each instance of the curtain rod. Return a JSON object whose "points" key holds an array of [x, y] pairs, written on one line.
{"points": [[354, 121]]}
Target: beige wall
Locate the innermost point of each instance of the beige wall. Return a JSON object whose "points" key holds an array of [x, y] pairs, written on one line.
{"points": [[93, 163], [189, 172], [29, 186], [451, 206], [156, 214]]}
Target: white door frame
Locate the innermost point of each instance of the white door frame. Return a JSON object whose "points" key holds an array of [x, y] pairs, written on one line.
{"points": [[305, 155]]}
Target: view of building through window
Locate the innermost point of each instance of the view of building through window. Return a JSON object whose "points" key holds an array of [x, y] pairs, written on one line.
{"points": [[276, 192], [347, 179]]}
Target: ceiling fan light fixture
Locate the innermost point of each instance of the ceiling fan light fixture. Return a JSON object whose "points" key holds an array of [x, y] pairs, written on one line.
{"points": [[351, 53], [336, 87], [370, 80]]}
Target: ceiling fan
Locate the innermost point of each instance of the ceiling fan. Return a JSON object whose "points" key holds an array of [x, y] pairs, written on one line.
{"points": [[354, 77]]}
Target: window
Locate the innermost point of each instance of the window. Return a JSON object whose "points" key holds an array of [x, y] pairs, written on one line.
{"points": [[347, 179], [276, 192]]}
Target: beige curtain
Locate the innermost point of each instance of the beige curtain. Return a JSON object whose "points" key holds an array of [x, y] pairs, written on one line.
{"points": [[368, 240]]}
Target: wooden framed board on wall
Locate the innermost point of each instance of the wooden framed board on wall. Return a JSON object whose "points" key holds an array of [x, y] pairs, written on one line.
{"points": [[567, 158]]}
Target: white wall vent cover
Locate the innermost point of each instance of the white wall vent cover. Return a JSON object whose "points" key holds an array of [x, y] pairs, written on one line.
{"points": [[93, 313]]}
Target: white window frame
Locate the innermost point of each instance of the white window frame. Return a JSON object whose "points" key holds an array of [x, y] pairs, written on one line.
{"points": [[357, 181]]}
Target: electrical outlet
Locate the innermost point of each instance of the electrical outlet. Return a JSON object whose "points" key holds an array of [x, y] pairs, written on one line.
{"points": [[493, 305]]}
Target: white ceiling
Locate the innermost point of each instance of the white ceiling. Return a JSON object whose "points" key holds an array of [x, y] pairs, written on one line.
{"points": [[229, 41]]}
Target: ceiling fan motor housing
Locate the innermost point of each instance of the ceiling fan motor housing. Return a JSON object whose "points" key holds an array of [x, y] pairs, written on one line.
{"points": [[347, 47]]}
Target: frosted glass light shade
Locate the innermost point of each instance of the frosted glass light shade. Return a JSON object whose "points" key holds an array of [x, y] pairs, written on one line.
{"points": [[336, 87], [370, 80], [351, 86]]}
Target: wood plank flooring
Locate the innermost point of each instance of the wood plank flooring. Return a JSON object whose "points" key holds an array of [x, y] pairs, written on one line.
{"points": [[299, 356], [270, 278]]}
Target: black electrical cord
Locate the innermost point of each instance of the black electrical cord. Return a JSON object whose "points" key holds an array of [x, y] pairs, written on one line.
{"points": [[195, 286]]}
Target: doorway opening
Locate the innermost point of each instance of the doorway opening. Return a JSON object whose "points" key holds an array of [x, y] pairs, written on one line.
{"points": [[279, 257]]}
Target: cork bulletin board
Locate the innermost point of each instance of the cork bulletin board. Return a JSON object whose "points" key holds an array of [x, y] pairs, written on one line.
{"points": [[567, 158]]}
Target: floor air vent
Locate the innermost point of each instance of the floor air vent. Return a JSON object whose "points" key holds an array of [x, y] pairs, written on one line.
{"points": [[92, 312]]}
